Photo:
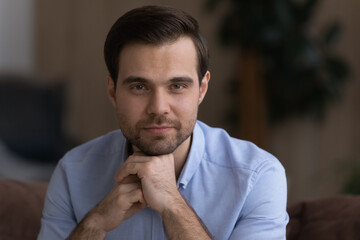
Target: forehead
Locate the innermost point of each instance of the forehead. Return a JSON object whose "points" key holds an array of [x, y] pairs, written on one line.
{"points": [[162, 61]]}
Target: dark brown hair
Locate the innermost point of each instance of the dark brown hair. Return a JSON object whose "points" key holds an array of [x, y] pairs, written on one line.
{"points": [[153, 25]]}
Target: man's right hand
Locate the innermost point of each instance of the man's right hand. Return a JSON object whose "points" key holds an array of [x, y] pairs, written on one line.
{"points": [[121, 203]]}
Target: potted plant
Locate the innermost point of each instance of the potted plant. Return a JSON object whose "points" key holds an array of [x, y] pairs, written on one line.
{"points": [[286, 68]]}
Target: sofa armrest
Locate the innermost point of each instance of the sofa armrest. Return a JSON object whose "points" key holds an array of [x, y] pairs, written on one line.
{"points": [[21, 205], [336, 217]]}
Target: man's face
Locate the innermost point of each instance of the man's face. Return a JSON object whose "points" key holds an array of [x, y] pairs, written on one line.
{"points": [[158, 94]]}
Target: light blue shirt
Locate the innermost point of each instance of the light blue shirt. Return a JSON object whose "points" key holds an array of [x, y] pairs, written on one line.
{"points": [[237, 189]]}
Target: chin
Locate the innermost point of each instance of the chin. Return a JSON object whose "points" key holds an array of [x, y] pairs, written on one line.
{"points": [[156, 151]]}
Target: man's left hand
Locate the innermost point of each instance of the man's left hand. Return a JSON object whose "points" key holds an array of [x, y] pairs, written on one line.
{"points": [[157, 176]]}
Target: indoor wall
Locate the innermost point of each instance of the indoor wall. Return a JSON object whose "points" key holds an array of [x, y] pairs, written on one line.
{"points": [[69, 38]]}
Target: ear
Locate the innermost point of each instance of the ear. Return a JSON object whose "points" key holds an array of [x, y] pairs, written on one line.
{"points": [[204, 86], [111, 90]]}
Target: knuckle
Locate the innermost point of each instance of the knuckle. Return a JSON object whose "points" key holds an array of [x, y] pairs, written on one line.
{"points": [[148, 166], [129, 167], [120, 201], [120, 188]]}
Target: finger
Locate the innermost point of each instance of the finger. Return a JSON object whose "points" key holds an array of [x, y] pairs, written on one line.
{"points": [[131, 159], [126, 170], [128, 187], [135, 207], [139, 158], [130, 179], [136, 196], [138, 153], [132, 166]]}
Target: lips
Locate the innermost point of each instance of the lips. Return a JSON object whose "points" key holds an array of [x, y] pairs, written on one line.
{"points": [[158, 129], [158, 125]]}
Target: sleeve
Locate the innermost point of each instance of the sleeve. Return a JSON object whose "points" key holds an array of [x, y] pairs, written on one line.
{"points": [[264, 213], [58, 218]]}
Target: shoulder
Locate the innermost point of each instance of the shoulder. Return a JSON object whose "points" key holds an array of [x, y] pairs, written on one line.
{"points": [[230, 152], [93, 163], [106, 145]]}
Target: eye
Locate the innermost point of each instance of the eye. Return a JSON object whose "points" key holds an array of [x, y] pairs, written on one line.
{"points": [[177, 86], [139, 87]]}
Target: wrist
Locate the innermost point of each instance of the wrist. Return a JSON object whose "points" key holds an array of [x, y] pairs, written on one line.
{"points": [[180, 219], [174, 207], [93, 222], [88, 228]]}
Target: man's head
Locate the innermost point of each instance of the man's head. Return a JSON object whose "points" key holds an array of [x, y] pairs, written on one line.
{"points": [[153, 25], [157, 87]]}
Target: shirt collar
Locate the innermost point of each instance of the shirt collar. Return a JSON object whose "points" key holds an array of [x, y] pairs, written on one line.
{"points": [[195, 157]]}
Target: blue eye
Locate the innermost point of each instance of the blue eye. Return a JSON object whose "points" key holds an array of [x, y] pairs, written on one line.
{"points": [[177, 86], [139, 87]]}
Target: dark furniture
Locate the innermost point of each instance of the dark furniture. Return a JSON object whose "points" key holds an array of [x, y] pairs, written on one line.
{"points": [[334, 218]]}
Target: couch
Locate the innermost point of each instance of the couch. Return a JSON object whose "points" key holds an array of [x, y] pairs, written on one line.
{"points": [[333, 218], [21, 206]]}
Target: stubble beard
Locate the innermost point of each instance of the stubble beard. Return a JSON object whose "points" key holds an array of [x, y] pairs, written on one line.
{"points": [[160, 144]]}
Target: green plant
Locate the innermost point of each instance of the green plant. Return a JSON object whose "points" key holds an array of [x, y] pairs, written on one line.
{"points": [[302, 72], [352, 184]]}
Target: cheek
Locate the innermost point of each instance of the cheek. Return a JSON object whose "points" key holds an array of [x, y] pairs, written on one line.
{"points": [[187, 107], [128, 111]]}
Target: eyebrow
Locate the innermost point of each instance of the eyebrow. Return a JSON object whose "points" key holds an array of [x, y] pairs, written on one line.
{"points": [[133, 79], [182, 80]]}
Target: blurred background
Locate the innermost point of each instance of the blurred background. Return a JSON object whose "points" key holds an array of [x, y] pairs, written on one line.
{"points": [[285, 75]]}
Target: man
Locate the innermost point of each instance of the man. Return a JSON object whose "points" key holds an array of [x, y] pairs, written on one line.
{"points": [[163, 175]]}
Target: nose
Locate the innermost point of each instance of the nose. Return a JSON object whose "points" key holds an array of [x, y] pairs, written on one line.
{"points": [[158, 103]]}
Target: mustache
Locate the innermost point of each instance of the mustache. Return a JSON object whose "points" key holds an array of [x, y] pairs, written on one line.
{"points": [[158, 120]]}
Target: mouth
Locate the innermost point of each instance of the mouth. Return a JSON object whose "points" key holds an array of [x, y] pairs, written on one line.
{"points": [[158, 129]]}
